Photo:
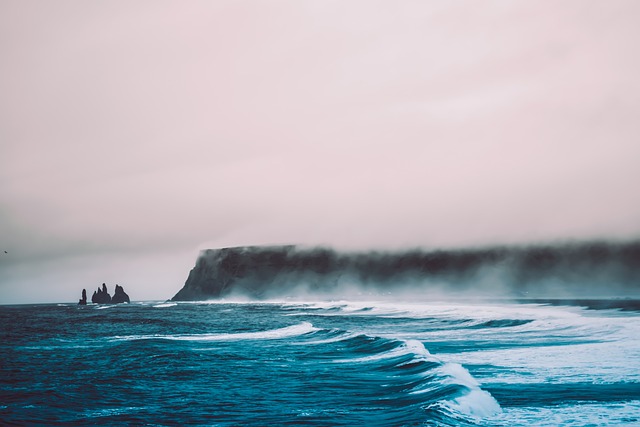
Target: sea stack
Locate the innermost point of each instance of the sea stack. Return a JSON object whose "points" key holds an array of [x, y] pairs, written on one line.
{"points": [[83, 300], [101, 296], [120, 296]]}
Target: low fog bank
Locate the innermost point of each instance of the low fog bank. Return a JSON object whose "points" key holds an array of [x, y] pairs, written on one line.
{"points": [[572, 270]]}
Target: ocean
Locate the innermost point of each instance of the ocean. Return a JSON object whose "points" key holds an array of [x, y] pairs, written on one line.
{"points": [[322, 363]]}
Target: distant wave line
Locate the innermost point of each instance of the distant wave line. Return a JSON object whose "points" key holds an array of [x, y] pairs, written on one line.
{"points": [[286, 332]]}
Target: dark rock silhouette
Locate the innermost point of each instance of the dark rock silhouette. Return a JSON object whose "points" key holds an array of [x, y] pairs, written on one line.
{"points": [[101, 296], [120, 296], [83, 300], [575, 269]]}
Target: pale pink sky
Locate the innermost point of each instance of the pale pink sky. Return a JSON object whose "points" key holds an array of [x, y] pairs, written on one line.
{"points": [[134, 133]]}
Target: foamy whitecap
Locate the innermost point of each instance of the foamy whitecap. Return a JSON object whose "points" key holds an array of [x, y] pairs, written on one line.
{"points": [[546, 366], [286, 332], [169, 304], [477, 403]]}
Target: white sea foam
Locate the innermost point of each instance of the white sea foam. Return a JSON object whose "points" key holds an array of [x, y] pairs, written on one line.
{"points": [[408, 347], [346, 308], [473, 402], [169, 304], [625, 414], [416, 347], [286, 332], [454, 373], [378, 356], [477, 403], [555, 350]]}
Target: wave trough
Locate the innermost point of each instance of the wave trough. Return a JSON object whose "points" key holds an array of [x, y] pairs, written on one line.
{"points": [[340, 363]]}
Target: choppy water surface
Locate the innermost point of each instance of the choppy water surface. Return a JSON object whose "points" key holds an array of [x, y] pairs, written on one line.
{"points": [[320, 363]]}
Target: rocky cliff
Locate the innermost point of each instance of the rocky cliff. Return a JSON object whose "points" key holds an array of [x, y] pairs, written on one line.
{"points": [[279, 271]]}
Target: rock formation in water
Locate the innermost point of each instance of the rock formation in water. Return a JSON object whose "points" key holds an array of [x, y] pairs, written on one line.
{"points": [[120, 296], [280, 271], [101, 296], [83, 300]]}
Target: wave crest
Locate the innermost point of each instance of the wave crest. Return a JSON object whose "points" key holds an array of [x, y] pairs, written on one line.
{"points": [[279, 333]]}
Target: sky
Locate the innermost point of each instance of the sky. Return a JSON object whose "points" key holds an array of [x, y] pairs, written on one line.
{"points": [[135, 133]]}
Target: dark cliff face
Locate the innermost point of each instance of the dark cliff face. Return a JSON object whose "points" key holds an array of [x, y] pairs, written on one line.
{"points": [[280, 271]]}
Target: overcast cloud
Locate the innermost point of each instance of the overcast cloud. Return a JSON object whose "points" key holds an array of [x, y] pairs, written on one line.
{"points": [[134, 133]]}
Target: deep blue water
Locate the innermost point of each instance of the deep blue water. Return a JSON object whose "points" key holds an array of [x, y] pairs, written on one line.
{"points": [[320, 364]]}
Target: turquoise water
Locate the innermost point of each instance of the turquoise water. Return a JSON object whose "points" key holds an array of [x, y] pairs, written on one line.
{"points": [[339, 363]]}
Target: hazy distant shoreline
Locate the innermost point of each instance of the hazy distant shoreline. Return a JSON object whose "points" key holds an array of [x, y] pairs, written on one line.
{"points": [[577, 270]]}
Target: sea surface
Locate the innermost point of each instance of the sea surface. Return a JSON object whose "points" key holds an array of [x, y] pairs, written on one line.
{"points": [[330, 363]]}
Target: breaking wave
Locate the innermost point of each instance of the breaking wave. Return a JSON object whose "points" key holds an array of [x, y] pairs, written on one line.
{"points": [[339, 363], [286, 332]]}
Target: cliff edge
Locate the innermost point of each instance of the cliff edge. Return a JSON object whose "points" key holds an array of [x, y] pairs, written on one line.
{"points": [[595, 269]]}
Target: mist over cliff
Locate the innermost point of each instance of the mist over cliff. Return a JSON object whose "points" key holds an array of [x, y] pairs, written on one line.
{"points": [[565, 270]]}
